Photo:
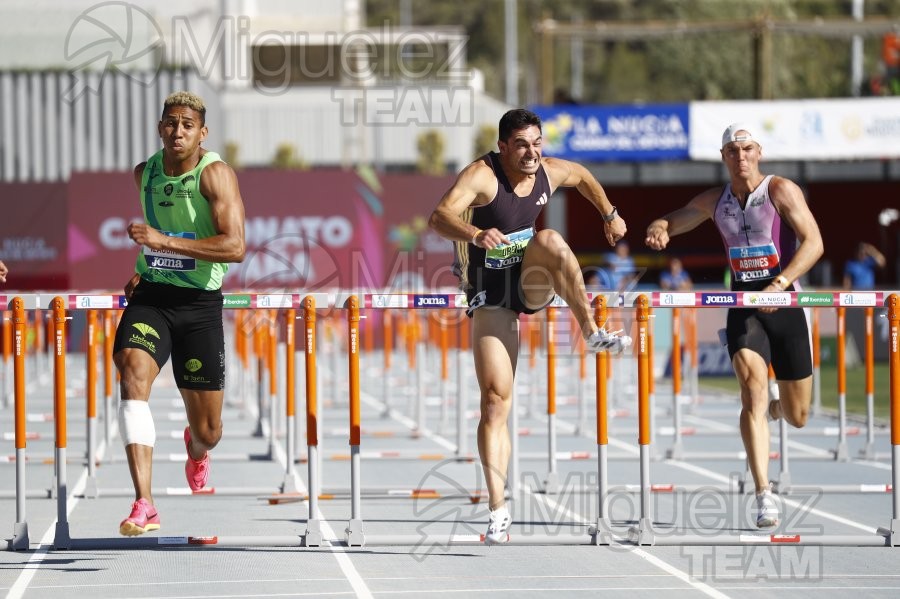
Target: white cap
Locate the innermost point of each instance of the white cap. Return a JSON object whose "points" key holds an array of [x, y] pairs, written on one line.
{"points": [[730, 134]]}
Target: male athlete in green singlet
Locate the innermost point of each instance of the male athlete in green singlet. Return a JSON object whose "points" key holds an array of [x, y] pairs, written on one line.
{"points": [[194, 226]]}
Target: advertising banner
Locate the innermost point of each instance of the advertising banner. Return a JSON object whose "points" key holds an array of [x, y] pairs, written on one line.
{"points": [[858, 128], [33, 235], [615, 133]]}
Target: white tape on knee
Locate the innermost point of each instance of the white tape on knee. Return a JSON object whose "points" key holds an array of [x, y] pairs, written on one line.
{"points": [[136, 422]]}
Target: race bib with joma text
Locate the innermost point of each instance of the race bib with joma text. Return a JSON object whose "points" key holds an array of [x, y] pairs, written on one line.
{"points": [[504, 256], [752, 263], [166, 260]]}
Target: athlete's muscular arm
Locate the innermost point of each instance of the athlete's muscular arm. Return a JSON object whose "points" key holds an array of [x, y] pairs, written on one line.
{"points": [[219, 186], [476, 185], [791, 205], [700, 208], [564, 173]]}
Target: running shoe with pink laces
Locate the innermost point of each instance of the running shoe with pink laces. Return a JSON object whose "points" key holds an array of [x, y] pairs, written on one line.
{"points": [[196, 471], [143, 518]]}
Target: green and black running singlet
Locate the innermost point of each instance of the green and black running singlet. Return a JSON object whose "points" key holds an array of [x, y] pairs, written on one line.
{"points": [[175, 206]]}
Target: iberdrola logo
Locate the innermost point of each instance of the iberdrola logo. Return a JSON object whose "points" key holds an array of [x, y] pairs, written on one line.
{"points": [[193, 365], [145, 329]]}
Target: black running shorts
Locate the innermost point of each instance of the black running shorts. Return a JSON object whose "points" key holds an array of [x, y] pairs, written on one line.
{"points": [[166, 320], [501, 288], [780, 337]]}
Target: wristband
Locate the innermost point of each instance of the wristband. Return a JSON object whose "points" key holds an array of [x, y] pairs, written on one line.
{"points": [[782, 280], [608, 218], [477, 233]]}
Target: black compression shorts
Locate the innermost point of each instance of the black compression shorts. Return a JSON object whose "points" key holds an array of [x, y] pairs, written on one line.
{"points": [[501, 288], [780, 337], [186, 323]]}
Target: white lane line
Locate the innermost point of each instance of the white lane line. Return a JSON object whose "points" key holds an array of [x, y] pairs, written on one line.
{"points": [[662, 565], [409, 423], [340, 553], [17, 590], [724, 479]]}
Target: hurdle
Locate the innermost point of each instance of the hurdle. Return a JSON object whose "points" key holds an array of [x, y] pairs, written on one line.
{"points": [[644, 533], [62, 538], [355, 534]]}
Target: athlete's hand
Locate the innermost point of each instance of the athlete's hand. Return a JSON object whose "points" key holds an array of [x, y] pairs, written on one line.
{"points": [[615, 230], [3, 272], [490, 238], [131, 284], [144, 234], [770, 288], [657, 235]]}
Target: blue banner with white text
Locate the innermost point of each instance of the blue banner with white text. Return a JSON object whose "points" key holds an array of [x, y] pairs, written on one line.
{"points": [[615, 133]]}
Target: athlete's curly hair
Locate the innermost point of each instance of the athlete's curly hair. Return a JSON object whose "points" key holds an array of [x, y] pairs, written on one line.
{"points": [[187, 99]]}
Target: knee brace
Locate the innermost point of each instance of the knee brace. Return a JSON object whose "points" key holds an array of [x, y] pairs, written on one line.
{"points": [[136, 423]]}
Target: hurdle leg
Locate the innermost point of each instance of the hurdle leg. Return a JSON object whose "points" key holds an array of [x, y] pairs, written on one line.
{"points": [[893, 304], [461, 404], [868, 451], [551, 484], [354, 532], [19, 541], [784, 476], [90, 489], [61, 540], [840, 452], [602, 531], [643, 534], [313, 535]]}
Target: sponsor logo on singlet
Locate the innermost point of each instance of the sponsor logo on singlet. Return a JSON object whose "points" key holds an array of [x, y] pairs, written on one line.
{"points": [[752, 263], [168, 260]]}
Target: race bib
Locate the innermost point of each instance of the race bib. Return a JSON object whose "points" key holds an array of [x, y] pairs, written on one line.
{"points": [[166, 260], [752, 263], [504, 256]]}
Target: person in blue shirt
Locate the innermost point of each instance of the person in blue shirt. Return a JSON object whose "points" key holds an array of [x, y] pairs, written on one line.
{"points": [[622, 271], [860, 272], [676, 278]]}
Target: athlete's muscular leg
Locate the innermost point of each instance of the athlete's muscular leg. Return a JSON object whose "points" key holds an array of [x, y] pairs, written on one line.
{"points": [[138, 370], [204, 413], [496, 346], [794, 403], [550, 267], [753, 376]]}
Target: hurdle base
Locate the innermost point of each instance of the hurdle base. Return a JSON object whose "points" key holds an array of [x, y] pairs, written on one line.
{"points": [[602, 533], [354, 533], [290, 484], [313, 535], [62, 540], [868, 452], [90, 488], [676, 452], [782, 486], [892, 535], [551, 484], [19, 540], [642, 534], [841, 454]]}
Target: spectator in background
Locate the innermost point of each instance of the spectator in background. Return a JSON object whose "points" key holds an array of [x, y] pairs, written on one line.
{"points": [[595, 278], [621, 267], [860, 272], [676, 278], [3, 272]]}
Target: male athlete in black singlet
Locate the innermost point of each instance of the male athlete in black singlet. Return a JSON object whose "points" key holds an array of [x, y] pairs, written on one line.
{"points": [[507, 268]]}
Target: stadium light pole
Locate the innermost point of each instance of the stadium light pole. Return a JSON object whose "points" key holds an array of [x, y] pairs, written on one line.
{"points": [[511, 24], [856, 52]]}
